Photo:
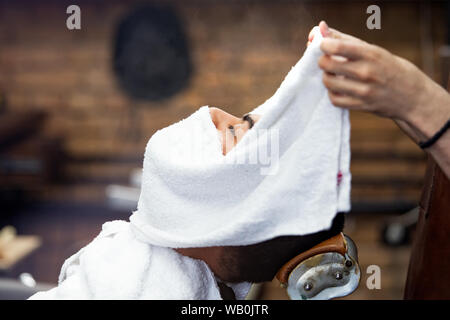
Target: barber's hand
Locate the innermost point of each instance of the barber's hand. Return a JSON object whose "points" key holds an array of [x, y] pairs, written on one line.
{"points": [[370, 78], [362, 76]]}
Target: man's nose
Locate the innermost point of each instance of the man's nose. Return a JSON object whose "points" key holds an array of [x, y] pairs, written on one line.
{"points": [[224, 119]]}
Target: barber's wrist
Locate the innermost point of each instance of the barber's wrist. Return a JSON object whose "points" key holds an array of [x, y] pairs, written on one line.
{"points": [[431, 112]]}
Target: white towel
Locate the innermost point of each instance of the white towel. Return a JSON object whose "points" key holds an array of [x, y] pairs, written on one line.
{"points": [[117, 265], [194, 196]]}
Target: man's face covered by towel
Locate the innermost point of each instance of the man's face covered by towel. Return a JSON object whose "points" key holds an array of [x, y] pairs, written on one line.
{"points": [[231, 129], [258, 262]]}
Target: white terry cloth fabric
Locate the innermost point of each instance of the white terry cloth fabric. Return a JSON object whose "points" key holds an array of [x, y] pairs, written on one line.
{"points": [[194, 196], [117, 265]]}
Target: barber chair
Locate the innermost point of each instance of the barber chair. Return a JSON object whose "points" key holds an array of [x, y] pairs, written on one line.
{"points": [[326, 271]]}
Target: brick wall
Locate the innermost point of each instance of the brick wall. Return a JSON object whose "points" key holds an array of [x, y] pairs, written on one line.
{"points": [[241, 52]]}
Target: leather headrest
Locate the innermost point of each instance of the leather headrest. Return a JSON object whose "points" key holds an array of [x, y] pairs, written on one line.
{"points": [[334, 244]]}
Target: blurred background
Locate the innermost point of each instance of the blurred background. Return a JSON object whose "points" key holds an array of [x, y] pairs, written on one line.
{"points": [[77, 108]]}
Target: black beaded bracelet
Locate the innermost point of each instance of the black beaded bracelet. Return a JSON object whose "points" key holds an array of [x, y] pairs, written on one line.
{"points": [[433, 139]]}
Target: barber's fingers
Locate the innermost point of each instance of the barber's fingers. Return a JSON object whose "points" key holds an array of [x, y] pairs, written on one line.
{"points": [[344, 85], [350, 49], [326, 31], [335, 34], [359, 70], [345, 101], [311, 35], [323, 28]]}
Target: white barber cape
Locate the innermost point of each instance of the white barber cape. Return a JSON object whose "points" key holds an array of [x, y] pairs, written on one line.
{"points": [[117, 265]]}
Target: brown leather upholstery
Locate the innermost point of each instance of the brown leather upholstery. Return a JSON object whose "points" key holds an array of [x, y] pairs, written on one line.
{"points": [[429, 265], [334, 244]]}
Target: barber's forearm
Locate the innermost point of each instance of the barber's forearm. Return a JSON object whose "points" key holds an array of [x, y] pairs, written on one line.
{"points": [[427, 119]]}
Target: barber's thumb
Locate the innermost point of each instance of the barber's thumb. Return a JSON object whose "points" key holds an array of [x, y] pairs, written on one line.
{"points": [[324, 29], [328, 32]]}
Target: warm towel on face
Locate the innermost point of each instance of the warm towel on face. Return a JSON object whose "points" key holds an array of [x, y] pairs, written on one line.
{"points": [[280, 179]]}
